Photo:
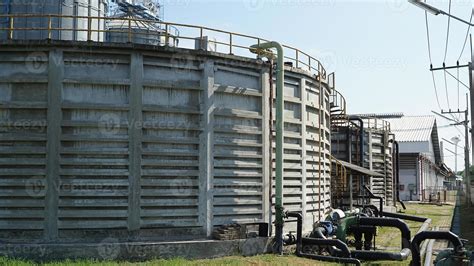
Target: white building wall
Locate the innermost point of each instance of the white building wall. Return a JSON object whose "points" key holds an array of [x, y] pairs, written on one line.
{"points": [[414, 147], [408, 180], [413, 188]]}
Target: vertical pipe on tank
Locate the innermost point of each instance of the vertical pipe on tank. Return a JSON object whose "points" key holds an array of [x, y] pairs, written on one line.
{"points": [[349, 156], [321, 95], [384, 150], [270, 141], [279, 138], [361, 147]]}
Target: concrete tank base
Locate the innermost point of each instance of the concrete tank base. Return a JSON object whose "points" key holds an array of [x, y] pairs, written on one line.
{"points": [[109, 249]]}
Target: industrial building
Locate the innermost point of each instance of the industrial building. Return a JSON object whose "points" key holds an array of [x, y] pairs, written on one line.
{"points": [[368, 143], [422, 171]]}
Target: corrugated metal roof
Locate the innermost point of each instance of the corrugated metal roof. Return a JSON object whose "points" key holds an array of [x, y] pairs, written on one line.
{"points": [[378, 115], [412, 128], [358, 169]]}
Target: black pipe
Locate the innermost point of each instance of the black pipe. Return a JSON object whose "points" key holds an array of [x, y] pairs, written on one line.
{"points": [[365, 197], [299, 244], [380, 255], [349, 152], [370, 206], [299, 229], [426, 221], [330, 259], [398, 175], [343, 248], [361, 138], [397, 171], [389, 222], [320, 232], [405, 217], [420, 237], [372, 196]]}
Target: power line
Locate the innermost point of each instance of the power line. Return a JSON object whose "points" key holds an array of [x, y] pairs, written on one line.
{"points": [[446, 53], [467, 35], [447, 32], [460, 55], [431, 60], [457, 79], [446, 90], [431, 66]]}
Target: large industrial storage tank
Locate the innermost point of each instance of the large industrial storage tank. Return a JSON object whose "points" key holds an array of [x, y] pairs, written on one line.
{"points": [[148, 28], [45, 19], [149, 142], [370, 148], [380, 157]]}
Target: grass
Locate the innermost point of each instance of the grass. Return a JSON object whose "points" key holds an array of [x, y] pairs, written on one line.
{"points": [[387, 238], [441, 216], [260, 260]]}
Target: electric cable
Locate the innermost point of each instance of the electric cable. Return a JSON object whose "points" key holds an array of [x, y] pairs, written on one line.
{"points": [[445, 54], [431, 61], [467, 35]]}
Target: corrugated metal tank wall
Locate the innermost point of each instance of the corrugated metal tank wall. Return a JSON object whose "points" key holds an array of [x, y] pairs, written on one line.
{"points": [[307, 148], [78, 26], [377, 155], [380, 157], [165, 144]]}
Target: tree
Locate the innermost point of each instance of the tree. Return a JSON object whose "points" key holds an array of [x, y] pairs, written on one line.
{"points": [[471, 171]]}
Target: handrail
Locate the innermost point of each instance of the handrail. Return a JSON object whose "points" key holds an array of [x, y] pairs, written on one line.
{"points": [[340, 173], [337, 100], [301, 59], [377, 124]]}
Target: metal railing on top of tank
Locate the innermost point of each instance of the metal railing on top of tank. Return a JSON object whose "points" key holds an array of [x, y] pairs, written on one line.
{"points": [[233, 41], [376, 123]]}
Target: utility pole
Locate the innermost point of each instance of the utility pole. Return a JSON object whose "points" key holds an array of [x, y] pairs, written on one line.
{"points": [[436, 11], [470, 67], [454, 141], [467, 178], [471, 90]]}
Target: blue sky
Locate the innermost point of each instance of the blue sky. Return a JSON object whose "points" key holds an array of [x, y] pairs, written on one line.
{"points": [[377, 48]]}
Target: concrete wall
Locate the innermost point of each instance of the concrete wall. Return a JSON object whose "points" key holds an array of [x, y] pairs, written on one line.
{"points": [[150, 144]]}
